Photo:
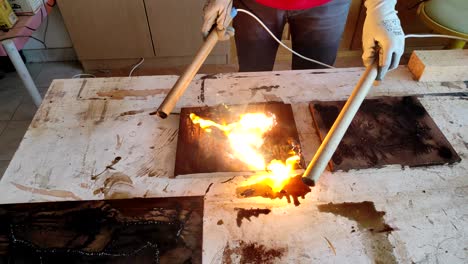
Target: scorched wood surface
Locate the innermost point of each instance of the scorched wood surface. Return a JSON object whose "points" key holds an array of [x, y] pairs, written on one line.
{"points": [[154, 230], [385, 131], [201, 152]]}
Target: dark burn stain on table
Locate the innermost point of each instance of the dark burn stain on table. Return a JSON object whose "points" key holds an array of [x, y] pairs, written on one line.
{"points": [[201, 97], [254, 90], [293, 190], [371, 223], [388, 130], [248, 213], [202, 152], [153, 230], [249, 253], [120, 94], [132, 112], [364, 213]]}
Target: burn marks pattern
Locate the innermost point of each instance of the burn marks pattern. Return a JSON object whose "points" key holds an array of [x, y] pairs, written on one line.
{"points": [[202, 152], [389, 130], [293, 190], [157, 230]]}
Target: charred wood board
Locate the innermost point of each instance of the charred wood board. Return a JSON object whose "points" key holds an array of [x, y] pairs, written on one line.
{"points": [[156, 230], [202, 152], [388, 130]]}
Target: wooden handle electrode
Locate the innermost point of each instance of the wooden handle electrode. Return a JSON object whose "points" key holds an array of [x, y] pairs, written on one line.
{"points": [[332, 140], [186, 78]]}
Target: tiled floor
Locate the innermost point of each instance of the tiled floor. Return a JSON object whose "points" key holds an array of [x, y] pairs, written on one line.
{"points": [[17, 108]]}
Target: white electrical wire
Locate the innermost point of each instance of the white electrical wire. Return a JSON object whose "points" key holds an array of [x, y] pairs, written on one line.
{"points": [[326, 65], [279, 41], [136, 66], [434, 36], [83, 74]]}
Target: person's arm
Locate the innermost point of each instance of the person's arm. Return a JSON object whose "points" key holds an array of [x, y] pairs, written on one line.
{"points": [[217, 12], [382, 27]]}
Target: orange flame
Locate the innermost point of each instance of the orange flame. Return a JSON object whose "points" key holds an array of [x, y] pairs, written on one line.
{"points": [[246, 137]]}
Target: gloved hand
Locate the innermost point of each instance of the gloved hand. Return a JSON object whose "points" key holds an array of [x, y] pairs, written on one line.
{"points": [[382, 27], [218, 12]]}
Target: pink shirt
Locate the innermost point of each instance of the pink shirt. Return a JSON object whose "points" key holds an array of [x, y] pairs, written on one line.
{"points": [[292, 4]]}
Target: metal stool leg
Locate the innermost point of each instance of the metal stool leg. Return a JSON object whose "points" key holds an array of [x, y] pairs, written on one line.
{"points": [[22, 71]]}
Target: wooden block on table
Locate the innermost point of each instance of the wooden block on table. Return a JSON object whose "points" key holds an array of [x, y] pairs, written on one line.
{"points": [[439, 65]]}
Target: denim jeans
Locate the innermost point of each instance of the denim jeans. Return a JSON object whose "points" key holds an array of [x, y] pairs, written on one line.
{"points": [[315, 33]]}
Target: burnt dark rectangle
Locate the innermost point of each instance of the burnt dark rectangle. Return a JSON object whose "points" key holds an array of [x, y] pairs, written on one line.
{"points": [[150, 230], [202, 152], [387, 130]]}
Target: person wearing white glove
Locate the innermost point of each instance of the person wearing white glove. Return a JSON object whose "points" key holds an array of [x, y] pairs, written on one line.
{"points": [[316, 27], [382, 27], [218, 13]]}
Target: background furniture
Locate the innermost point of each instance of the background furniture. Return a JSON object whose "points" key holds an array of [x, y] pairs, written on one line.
{"points": [[446, 17], [117, 33], [113, 34], [14, 40]]}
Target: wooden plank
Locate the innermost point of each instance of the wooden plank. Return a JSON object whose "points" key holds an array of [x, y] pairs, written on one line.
{"points": [[385, 131], [107, 29], [439, 65], [116, 231], [202, 152]]}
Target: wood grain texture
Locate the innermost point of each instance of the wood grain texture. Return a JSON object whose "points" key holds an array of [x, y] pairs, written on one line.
{"points": [[107, 29], [439, 65], [156, 230], [202, 152], [385, 131]]}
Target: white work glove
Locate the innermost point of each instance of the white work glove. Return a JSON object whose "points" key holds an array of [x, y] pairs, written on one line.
{"points": [[218, 12], [382, 26]]}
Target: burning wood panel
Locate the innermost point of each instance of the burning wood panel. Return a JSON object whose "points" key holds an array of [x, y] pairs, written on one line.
{"points": [[213, 139], [385, 131], [156, 230]]}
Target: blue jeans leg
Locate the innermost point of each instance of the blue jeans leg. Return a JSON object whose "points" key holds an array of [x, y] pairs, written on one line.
{"points": [[256, 49], [316, 33]]}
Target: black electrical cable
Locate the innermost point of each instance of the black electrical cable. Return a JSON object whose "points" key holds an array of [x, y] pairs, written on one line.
{"points": [[34, 29], [47, 19], [46, 28], [42, 20]]}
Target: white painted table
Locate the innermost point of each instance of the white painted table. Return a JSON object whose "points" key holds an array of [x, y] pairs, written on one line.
{"points": [[84, 124]]}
